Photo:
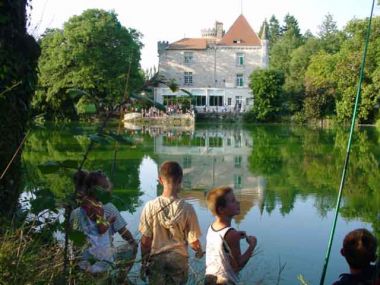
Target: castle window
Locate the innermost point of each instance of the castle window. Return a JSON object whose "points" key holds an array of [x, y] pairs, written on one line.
{"points": [[238, 160], [215, 142], [239, 80], [188, 78], [188, 57], [238, 181], [240, 59], [186, 161], [169, 99], [229, 100], [237, 41], [216, 100], [200, 100]]}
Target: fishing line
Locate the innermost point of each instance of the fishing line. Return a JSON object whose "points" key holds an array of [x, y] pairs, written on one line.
{"points": [[14, 155], [348, 148]]}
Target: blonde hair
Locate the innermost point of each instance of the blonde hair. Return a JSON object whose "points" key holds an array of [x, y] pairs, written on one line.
{"points": [[217, 198]]}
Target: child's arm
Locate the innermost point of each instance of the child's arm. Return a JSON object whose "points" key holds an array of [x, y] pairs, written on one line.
{"points": [[146, 246], [127, 236], [238, 260], [197, 247]]}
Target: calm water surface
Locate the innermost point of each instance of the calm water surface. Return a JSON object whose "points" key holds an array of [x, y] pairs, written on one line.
{"points": [[286, 179]]}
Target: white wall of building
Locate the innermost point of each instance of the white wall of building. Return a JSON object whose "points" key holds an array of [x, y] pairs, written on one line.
{"points": [[215, 67]]}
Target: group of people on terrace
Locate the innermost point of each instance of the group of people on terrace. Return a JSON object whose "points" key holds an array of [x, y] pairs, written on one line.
{"points": [[173, 109], [169, 225]]}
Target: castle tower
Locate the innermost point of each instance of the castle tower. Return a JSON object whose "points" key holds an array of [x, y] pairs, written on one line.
{"points": [[219, 30], [161, 46]]}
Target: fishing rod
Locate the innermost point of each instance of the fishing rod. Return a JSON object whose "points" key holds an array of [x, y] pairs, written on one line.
{"points": [[345, 166], [14, 155]]}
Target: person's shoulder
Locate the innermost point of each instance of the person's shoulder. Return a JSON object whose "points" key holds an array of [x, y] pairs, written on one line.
{"points": [[151, 203], [345, 279], [75, 213], [186, 204], [232, 234], [110, 207], [339, 282]]}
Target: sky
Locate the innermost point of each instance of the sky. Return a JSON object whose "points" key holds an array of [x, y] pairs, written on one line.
{"points": [[172, 20]]}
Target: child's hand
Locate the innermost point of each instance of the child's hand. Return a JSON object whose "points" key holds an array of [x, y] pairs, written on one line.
{"points": [[143, 273], [200, 253], [252, 241], [243, 234], [111, 219]]}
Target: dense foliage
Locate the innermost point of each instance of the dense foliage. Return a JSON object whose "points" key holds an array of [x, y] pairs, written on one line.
{"points": [[322, 72], [93, 62], [267, 87], [18, 56]]}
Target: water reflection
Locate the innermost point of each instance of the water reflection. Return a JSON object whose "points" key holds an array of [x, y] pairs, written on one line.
{"points": [[285, 178], [214, 157], [68, 143]]}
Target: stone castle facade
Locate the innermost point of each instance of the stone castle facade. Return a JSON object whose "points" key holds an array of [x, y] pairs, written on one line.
{"points": [[214, 68]]}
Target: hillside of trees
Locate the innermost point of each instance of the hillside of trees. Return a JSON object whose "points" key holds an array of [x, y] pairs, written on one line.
{"points": [[315, 77]]}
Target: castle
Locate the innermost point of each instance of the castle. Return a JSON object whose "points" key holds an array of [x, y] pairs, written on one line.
{"points": [[214, 68]]}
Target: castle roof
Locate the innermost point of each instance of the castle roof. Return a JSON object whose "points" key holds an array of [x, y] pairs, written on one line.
{"points": [[240, 34], [189, 43]]}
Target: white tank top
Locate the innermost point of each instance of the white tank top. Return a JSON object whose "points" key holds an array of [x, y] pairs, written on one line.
{"points": [[218, 257]]}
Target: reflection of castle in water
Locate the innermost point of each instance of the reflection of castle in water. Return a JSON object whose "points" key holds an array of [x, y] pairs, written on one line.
{"points": [[213, 157]]}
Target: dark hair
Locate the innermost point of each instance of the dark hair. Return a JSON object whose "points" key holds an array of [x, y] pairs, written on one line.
{"points": [[92, 180], [359, 248], [172, 171], [217, 198], [79, 178], [85, 181]]}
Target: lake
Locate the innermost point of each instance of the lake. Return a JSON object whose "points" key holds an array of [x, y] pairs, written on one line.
{"points": [[286, 179]]}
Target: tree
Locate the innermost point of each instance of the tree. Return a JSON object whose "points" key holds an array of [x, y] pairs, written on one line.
{"points": [[320, 87], [93, 58], [291, 38], [18, 56], [291, 27], [346, 71], [294, 82], [331, 38], [266, 86], [274, 30]]}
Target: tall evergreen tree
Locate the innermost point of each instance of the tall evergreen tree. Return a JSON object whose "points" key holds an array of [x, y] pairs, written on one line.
{"points": [[291, 28], [329, 34], [291, 38], [274, 31]]}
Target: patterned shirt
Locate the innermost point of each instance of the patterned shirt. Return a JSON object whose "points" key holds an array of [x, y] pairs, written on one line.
{"points": [[109, 211]]}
